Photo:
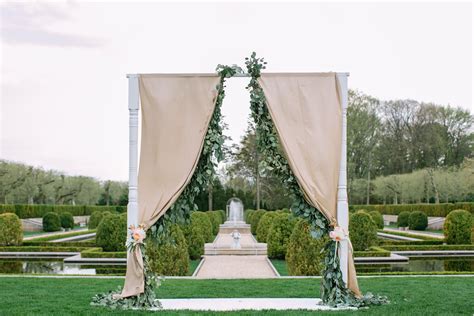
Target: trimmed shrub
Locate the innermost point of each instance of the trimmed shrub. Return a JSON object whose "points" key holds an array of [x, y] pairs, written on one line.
{"points": [[435, 210], [170, 257], [51, 222], [11, 231], [247, 215], [39, 210], [418, 220], [112, 233], [458, 227], [279, 235], [67, 221], [223, 216], [255, 219], [402, 220], [303, 256], [264, 226], [96, 217], [362, 230], [215, 219], [197, 233], [377, 218]]}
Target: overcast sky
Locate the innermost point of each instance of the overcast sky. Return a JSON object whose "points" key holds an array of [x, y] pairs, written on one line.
{"points": [[63, 65]]}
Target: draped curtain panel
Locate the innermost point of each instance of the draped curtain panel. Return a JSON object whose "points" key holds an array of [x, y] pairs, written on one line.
{"points": [[176, 111], [307, 114]]}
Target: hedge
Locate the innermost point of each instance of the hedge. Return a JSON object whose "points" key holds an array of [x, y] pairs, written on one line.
{"points": [[67, 221], [197, 233], [99, 253], [402, 219], [427, 247], [96, 217], [377, 218], [372, 252], [417, 220], [112, 233], [170, 257], [304, 254], [41, 249], [432, 210], [215, 218], [254, 219], [82, 244], [383, 242], [279, 235], [247, 214], [39, 210], [457, 227], [363, 230], [51, 222], [11, 231], [264, 226]]}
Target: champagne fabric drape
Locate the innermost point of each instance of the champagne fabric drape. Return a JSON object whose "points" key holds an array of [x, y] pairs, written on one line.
{"points": [[307, 114], [176, 111]]}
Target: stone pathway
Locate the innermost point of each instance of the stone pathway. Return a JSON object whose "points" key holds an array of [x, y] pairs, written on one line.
{"points": [[416, 232], [55, 233], [236, 267]]}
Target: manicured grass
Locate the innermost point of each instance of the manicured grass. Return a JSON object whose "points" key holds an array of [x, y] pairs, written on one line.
{"points": [[408, 296], [280, 266], [438, 231], [192, 266]]}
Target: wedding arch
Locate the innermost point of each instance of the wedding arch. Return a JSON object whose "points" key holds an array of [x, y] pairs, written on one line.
{"points": [[300, 121]]}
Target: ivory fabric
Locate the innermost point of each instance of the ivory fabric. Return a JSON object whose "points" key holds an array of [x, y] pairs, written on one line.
{"points": [[307, 114], [176, 111]]}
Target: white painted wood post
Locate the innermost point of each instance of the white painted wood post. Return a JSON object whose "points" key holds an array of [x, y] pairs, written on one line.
{"points": [[342, 203], [133, 106]]}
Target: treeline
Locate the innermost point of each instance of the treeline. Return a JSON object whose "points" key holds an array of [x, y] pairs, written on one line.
{"points": [[401, 151], [22, 184]]}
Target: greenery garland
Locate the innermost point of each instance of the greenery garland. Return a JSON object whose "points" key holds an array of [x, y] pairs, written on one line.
{"points": [[333, 289], [180, 211]]}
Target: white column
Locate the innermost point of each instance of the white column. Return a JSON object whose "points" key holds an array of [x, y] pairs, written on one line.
{"points": [[133, 105], [342, 203]]}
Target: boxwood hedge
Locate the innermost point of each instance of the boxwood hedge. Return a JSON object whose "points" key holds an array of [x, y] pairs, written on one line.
{"points": [[432, 210], [39, 210], [457, 227], [51, 222], [11, 232]]}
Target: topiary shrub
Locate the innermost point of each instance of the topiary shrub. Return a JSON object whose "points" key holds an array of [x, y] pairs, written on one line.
{"points": [[279, 234], [264, 226], [457, 227], [197, 233], [215, 219], [362, 230], [51, 222], [170, 257], [247, 215], [67, 221], [11, 231], [402, 220], [255, 219], [377, 218], [418, 220], [112, 233], [303, 256], [223, 217], [96, 217]]}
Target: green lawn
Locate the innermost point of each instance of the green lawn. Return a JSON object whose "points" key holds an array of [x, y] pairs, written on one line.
{"points": [[409, 296], [438, 231]]}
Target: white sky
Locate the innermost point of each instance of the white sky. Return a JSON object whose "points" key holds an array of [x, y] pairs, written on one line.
{"points": [[63, 65]]}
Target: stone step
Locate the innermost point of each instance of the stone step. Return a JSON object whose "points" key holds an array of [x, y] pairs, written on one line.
{"points": [[248, 251]]}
